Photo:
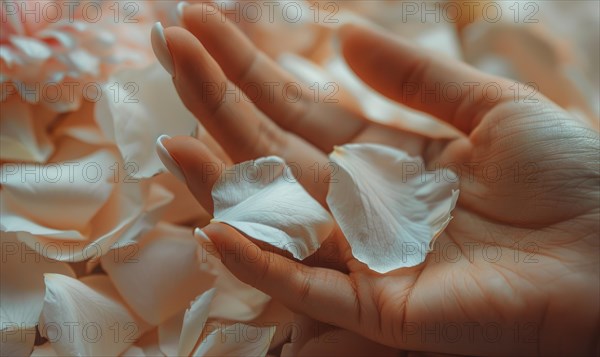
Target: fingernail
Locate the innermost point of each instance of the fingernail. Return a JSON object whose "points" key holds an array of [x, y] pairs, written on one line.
{"points": [[167, 159], [160, 48], [180, 7], [208, 245]]}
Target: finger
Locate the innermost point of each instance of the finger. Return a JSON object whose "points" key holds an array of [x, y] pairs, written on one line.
{"points": [[244, 132], [426, 81], [275, 92], [201, 168], [233, 122], [213, 145], [324, 294]]}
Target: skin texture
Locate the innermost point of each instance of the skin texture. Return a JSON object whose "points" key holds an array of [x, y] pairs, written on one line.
{"points": [[515, 272]]}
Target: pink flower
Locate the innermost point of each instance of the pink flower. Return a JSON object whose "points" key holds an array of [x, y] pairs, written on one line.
{"points": [[53, 52]]}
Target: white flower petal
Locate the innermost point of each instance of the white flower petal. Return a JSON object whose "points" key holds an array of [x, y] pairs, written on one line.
{"points": [[16, 341], [7, 55], [23, 135], [34, 49], [134, 113], [22, 282], [263, 200], [85, 62], [237, 340], [66, 39], [134, 351], [33, 191], [388, 208], [160, 275], [180, 334], [87, 317], [131, 208], [193, 322]]}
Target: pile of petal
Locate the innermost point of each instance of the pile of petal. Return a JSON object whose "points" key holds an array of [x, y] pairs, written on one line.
{"points": [[98, 253]]}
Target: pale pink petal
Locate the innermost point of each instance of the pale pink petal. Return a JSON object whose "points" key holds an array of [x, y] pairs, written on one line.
{"points": [[34, 196], [160, 275], [178, 336], [22, 293], [23, 135], [16, 341], [91, 312], [136, 115], [33, 49], [134, 351]]}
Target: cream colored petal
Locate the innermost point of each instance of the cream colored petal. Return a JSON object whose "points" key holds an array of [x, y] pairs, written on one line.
{"points": [[23, 134], [22, 293], [82, 126], [236, 340], [389, 209], [263, 200], [168, 334], [159, 276], [143, 106], [16, 341], [33, 192], [34, 49], [87, 317], [179, 335], [134, 351], [193, 322], [132, 208]]}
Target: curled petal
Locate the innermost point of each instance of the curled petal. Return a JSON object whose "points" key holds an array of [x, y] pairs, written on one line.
{"points": [[263, 200], [179, 335], [388, 207]]}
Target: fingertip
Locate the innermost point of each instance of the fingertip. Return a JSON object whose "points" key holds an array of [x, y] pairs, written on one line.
{"points": [[199, 165], [220, 232]]}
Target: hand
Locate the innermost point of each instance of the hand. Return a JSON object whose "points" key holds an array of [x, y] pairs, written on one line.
{"points": [[516, 271]]}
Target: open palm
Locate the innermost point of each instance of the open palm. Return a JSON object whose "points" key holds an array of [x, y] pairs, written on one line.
{"points": [[516, 271]]}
